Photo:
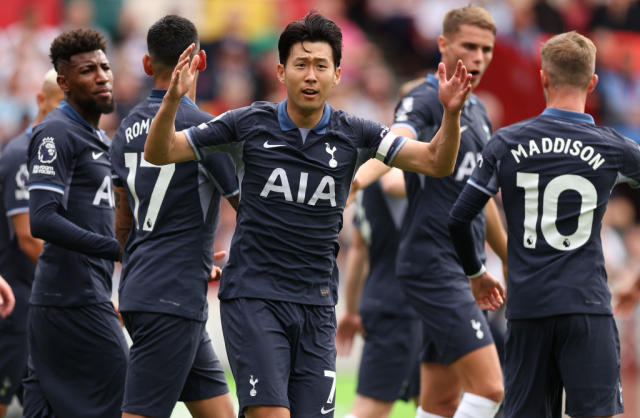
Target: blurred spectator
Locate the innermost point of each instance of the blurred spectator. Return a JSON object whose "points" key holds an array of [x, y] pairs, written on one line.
{"points": [[617, 15]]}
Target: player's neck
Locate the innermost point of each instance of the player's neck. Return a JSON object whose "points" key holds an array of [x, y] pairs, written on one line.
{"points": [[567, 99], [162, 83], [91, 116], [302, 119]]}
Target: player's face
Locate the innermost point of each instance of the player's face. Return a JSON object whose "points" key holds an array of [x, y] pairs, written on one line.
{"points": [[471, 44], [88, 82], [308, 75]]}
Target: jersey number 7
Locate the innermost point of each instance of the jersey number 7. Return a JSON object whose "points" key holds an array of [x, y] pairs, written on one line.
{"points": [[159, 188]]}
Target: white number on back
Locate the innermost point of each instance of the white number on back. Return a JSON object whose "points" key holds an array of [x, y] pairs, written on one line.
{"points": [[588, 194], [159, 189]]}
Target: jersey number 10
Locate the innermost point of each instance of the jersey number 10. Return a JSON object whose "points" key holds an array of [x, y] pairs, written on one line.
{"points": [[159, 188], [550, 199]]}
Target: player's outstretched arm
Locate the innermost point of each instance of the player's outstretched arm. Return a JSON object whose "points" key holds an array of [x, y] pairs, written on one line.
{"points": [[7, 300], [438, 157], [164, 145], [350, 322]]}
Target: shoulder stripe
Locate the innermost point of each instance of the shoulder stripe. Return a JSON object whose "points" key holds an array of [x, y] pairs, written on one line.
{"points": [[49, 187]]}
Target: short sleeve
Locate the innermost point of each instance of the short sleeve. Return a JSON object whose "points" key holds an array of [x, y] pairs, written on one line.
{"points": [[379, 142], [50, 158], [217, 135], [222, 171], [420, 111], [15, 177]]}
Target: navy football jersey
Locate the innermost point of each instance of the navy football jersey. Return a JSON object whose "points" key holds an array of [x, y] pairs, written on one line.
{"points": [[379, 217], [15, 266], [69, 164], [556, 172], [292, 194], [169, 253], [425, 249]]}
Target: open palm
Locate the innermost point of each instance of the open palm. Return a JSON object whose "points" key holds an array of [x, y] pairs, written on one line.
{"points": [[184, 74], [453, 91]]}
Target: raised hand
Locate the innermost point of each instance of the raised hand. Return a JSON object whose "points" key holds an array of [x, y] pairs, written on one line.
{"points": [[453, 92], [487, 291], [184, 74]]}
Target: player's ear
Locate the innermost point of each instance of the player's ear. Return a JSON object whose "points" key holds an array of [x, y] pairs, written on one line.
{"points": [[146, 64], [442, 44], [62, 83], [280, 73], [336, 77], [202, 65], [592, 83]]}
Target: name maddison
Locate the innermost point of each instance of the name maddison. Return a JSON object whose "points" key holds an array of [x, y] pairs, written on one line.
{"points": [[559, 146]]}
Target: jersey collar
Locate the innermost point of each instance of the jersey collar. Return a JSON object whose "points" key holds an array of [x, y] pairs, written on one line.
{"points": [[567, 114], [68, 110], [286, 124], [433, 80], [157, 95]]}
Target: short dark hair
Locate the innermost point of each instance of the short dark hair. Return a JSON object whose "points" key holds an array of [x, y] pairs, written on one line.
{"points": [[73, 42], [312, 28], [168, 37]]}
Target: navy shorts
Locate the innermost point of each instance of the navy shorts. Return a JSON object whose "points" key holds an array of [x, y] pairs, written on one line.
{"points": [[78, 361], [171, 360], [390, 362], [282, 354], [453, 324], [579, 352]]}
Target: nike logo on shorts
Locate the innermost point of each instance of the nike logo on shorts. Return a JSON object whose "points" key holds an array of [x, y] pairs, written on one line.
{"points": [[326, 411]]}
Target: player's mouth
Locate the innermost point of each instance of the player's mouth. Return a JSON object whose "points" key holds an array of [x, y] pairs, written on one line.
{"points": [[104, 94], [475, 74], [310, 93]]}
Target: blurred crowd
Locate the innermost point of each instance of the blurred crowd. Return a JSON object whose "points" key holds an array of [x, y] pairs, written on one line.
{"points": [[386, 43]]}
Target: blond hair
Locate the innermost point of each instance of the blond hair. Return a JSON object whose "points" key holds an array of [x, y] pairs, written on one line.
{"points": [[570, 59], [469, 15]]}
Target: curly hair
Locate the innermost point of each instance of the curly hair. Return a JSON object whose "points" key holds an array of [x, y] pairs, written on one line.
{"points": [[75, 42]]}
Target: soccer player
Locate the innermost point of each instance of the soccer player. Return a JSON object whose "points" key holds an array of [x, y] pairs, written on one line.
{"points": [[296, 160], [19, 250], [389, 367], [169, 215], [555, 172], [459, 353], [77, 349]]}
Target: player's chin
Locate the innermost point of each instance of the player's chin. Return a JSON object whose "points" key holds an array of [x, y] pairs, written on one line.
{"points": [[106, 107]]}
